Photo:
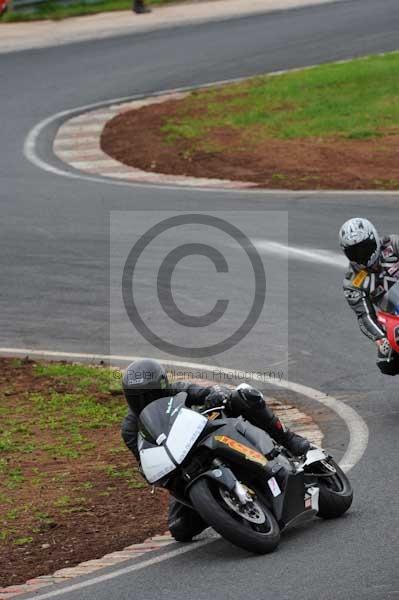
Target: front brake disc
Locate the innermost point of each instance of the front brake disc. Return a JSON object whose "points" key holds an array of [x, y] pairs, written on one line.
{"points": [[251, 511]]}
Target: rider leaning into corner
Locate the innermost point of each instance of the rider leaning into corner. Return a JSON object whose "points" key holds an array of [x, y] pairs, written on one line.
{"points": [[373, 269], [146, 380]]}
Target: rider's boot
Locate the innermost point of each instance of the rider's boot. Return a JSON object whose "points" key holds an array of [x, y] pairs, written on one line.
{"points": [[184, 523], [295, 443]]}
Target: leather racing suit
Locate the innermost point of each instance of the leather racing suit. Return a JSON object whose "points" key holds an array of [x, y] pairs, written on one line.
{"points": [[364, 290]]}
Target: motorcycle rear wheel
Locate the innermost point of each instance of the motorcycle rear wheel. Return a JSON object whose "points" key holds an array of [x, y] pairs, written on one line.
{"points": [[335, 495], [207, 498]]}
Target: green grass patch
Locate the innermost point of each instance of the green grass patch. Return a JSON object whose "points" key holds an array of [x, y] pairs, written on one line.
{"points": [[56, 12], [103, 379], [22, 541], [67, 417], [356, 100], [60, 444]]}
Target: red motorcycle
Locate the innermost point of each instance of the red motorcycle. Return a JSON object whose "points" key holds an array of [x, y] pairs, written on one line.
{"points": [[388, 316]]}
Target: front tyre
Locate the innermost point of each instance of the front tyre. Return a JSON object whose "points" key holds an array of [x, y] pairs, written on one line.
{"points": [[251, 526], [336, 493]]}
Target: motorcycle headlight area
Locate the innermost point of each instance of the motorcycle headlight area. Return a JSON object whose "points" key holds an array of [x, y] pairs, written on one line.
{"points": [[185, 431], [157, 462]]}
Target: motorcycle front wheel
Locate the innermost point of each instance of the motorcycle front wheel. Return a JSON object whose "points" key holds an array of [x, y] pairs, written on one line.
{"points": [[336, 494], [251, 526]]}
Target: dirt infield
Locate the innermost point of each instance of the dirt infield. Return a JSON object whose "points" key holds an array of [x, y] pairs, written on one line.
{"points": [[69, 489], [136, 138]]}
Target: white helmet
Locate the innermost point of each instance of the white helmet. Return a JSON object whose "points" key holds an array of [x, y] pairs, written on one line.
{"points": [[360, 241]]}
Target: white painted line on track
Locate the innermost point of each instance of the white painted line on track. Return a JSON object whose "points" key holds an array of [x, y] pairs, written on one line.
{"points": [[31, 154], [315, 255], [31, 139], [357, 427], [136, 567]]}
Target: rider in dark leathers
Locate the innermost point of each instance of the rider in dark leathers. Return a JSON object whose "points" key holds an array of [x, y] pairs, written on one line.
{"points": [[373, 269], [146, 380]]}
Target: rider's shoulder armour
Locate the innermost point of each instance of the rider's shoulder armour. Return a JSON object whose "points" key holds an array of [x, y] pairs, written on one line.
{"points": [[392, 242], [389, 250]]}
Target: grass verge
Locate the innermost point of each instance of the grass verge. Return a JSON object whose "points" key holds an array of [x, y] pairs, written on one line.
{"points": [[334, 126], [56, 12], [69, 489], [354, 100]]}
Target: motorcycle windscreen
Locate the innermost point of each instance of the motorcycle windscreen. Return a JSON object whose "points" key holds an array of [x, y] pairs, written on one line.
{"points": [[185, 431], [390, 301], [156, 419], [155, 463]]}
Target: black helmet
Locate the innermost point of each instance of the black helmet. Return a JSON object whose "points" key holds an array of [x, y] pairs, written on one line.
{"points": [[143, 382]]}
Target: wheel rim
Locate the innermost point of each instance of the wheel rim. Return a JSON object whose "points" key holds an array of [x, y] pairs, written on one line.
{"points": [[331, 478], [251, 511], [230, 504]]}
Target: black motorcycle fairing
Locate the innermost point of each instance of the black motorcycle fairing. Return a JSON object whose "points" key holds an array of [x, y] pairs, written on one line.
{"points": [[292, 499], [208, 448], [222, 474], [290, 502], [231, 429], [229, 450], [158, 417], [258, 437]]}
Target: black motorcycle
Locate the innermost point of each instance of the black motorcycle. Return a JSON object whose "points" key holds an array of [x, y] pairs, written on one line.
{"points": [[234, 475]]}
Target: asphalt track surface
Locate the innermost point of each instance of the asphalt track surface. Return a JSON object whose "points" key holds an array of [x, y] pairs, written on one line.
{"points": [[54, 257]]}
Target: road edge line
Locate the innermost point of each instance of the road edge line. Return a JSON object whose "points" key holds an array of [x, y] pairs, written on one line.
{"points": [[31, 154]]}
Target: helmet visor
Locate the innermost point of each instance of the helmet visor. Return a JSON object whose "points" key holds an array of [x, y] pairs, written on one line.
{"points": [[140, 398], [362, 252]]}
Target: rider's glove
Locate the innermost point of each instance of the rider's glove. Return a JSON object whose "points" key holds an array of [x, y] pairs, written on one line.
{"points": [[384, 347], [218, 396]]}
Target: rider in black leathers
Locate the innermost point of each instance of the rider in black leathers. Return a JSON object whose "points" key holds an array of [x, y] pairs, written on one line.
{"points": [[146, 380], [373, 269]]}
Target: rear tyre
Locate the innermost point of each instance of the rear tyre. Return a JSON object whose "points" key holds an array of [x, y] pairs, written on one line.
{"points": [[336, 494], [256, 531]]}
